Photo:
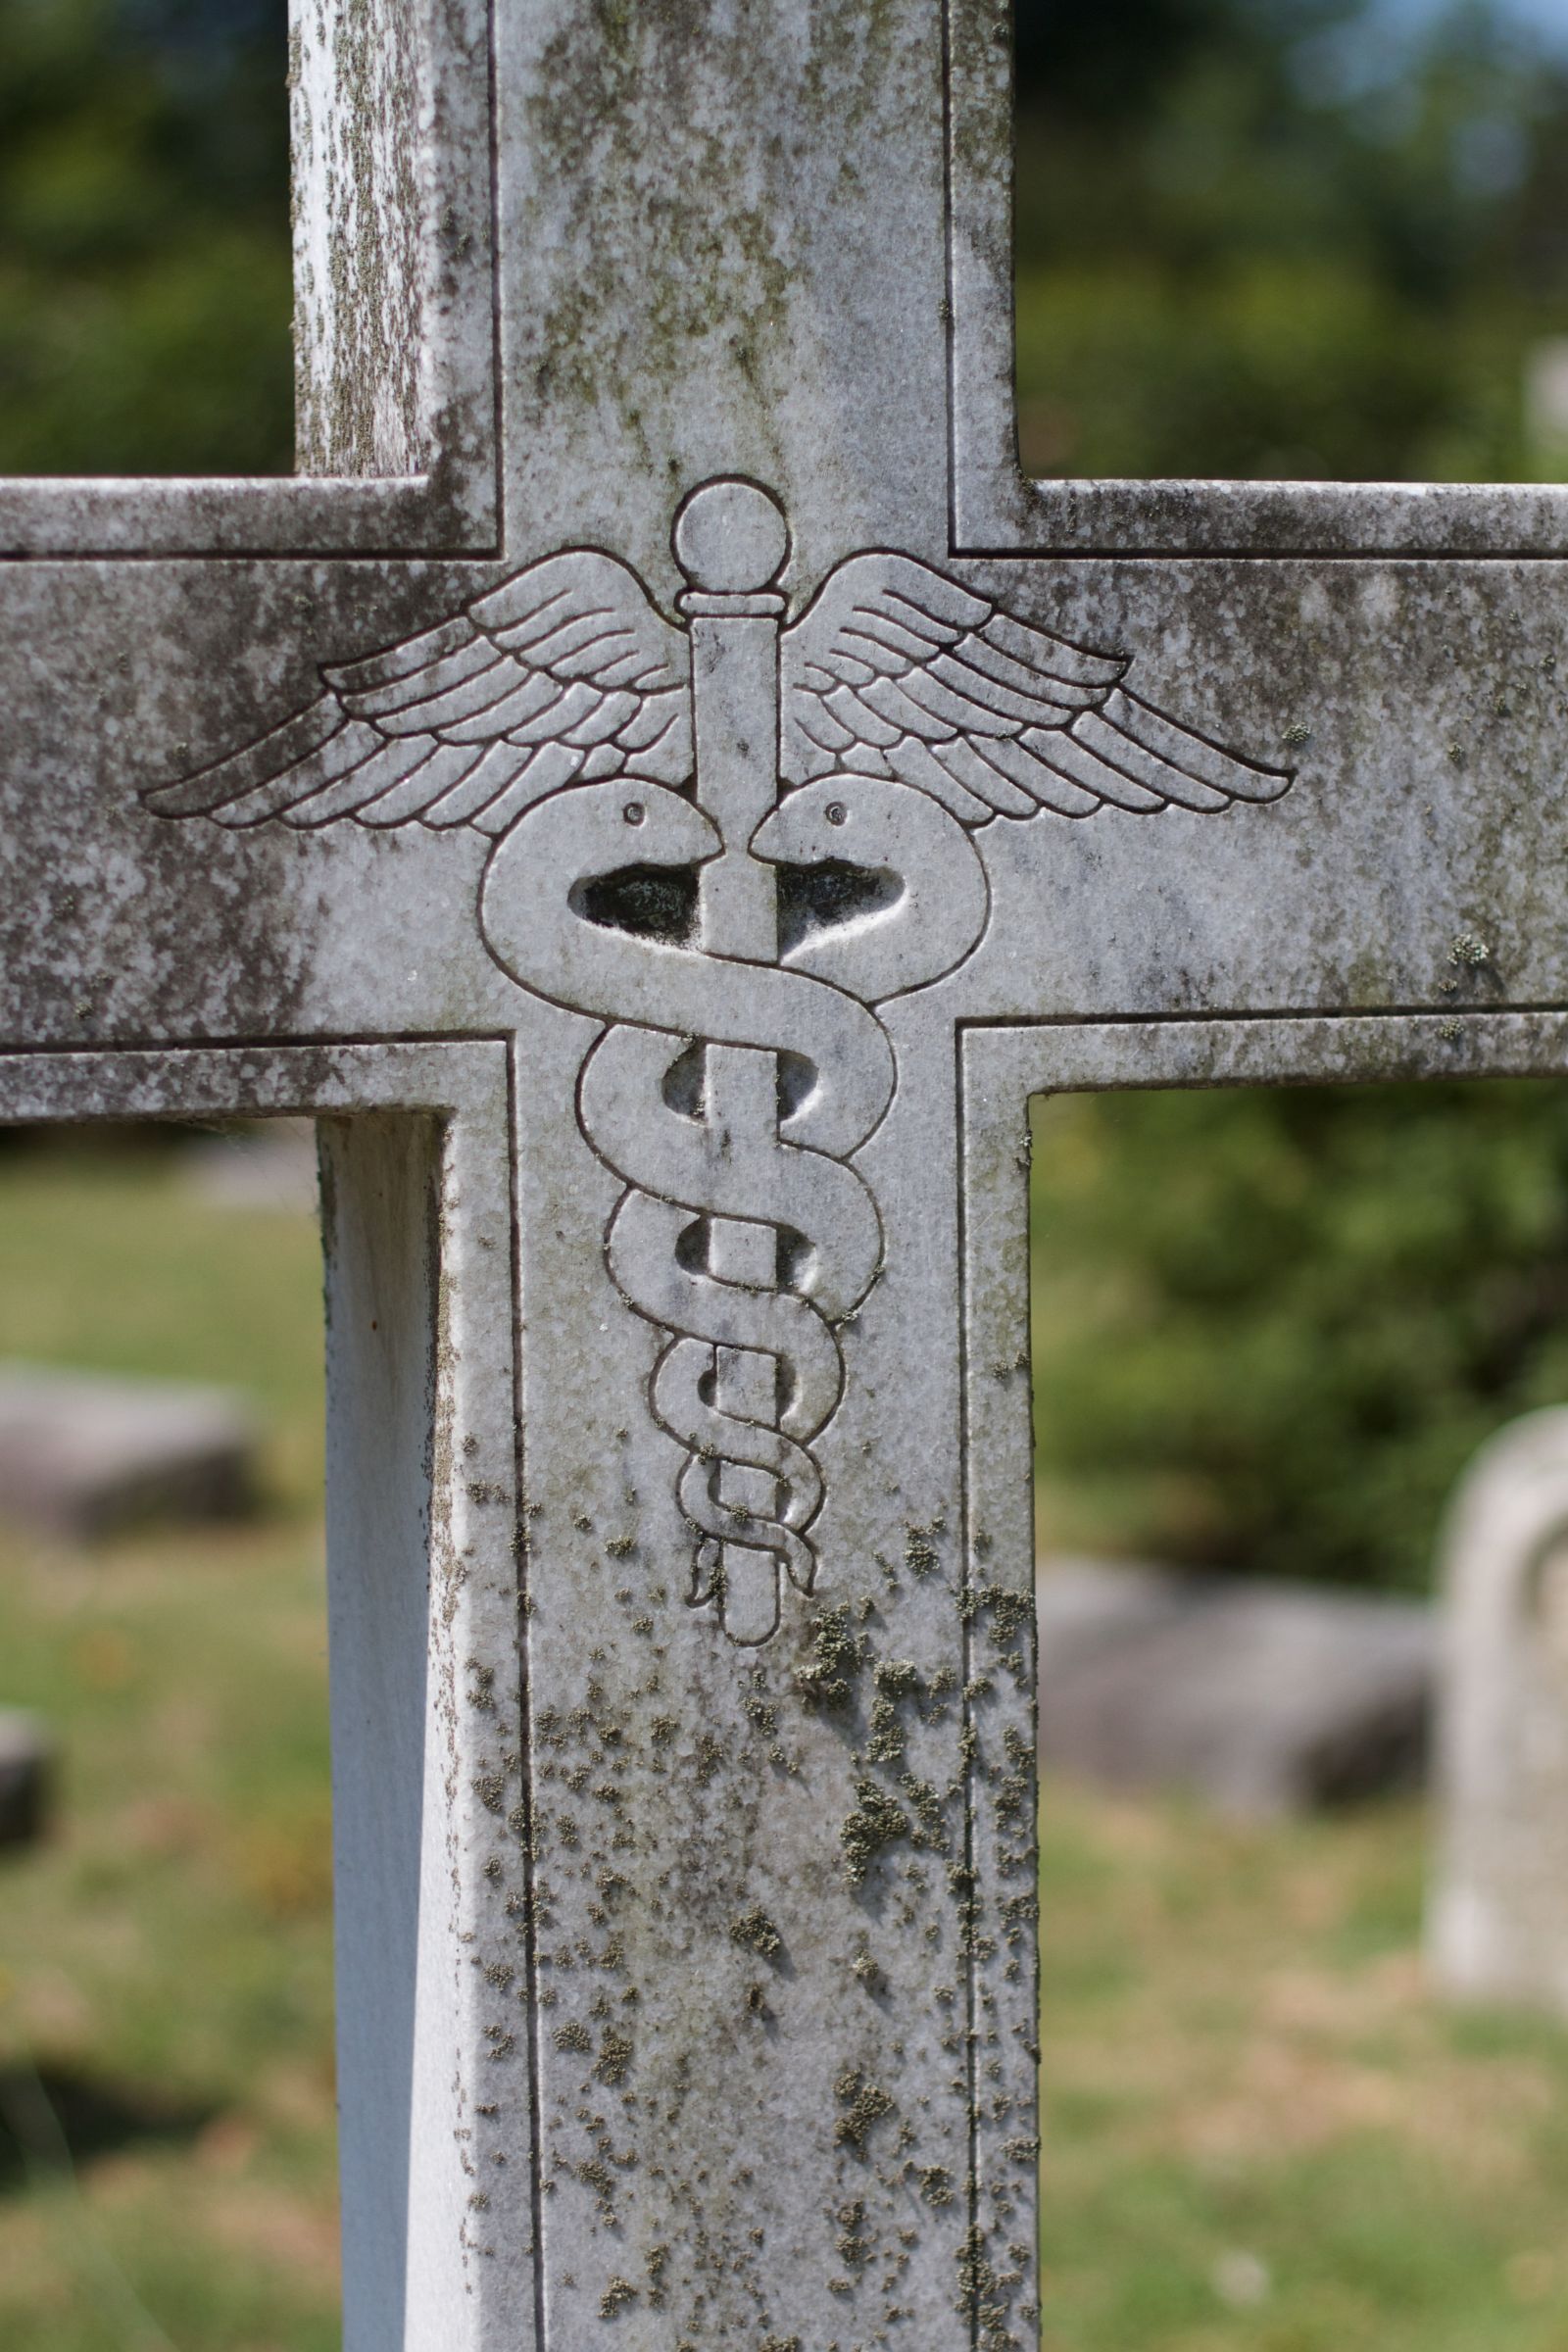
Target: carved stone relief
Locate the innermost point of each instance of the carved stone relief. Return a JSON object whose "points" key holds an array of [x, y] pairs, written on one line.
{"points": [[670, 798]]}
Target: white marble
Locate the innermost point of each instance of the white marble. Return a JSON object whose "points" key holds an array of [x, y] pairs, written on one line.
{"points": [[664, 800]]}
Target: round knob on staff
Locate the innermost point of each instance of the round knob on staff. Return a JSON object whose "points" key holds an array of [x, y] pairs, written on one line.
{"points": [[730, 538]]}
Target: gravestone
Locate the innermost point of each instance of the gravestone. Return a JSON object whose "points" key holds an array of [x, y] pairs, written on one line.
{"points": [[1262, 1696], [24, 1759], [661, 791], [1497, 1916], [83, 1454]]}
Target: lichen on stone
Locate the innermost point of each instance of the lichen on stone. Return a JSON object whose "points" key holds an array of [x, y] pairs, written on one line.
{"points": [[614, 2056], [619, 2293], [877, 1821], [755, 1931], [920, 1554], [863, 2103], [837, 1658]]}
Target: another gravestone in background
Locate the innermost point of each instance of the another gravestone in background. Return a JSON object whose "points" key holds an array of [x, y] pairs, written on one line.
{"points": [[85, 1453], [24, 1776], [1499, 1915], [1261, 1696], [269, 1165]]}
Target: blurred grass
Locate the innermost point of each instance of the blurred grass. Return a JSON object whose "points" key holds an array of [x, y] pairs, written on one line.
{"points": [[165, 1959], [1260, 2135]]}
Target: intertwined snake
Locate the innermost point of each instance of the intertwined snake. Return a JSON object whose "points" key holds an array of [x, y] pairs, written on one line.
{"points": [[679, 1168]]}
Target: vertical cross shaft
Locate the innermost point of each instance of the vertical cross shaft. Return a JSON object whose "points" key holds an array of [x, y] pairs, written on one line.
{"points": [[731, 542]]}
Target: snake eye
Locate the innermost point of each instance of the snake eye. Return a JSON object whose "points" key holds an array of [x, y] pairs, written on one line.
{"points": [[634, 813], [835, 813]]}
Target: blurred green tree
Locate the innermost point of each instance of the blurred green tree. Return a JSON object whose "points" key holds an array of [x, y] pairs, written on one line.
{"points": [[1267, 238], [145, 242], [1271, 1327]]}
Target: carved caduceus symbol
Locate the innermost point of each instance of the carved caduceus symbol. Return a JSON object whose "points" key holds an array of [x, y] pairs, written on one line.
{"points": [[603, 747]]}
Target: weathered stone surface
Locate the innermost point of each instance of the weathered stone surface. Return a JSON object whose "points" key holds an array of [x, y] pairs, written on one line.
{"points": [[1498, 1928], [24, 1760], [668, 927], [1262, 1697], [82, 1452]]}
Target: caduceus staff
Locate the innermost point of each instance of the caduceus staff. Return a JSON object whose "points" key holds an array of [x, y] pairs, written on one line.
{"points": [[731, 542], [589, 737]]}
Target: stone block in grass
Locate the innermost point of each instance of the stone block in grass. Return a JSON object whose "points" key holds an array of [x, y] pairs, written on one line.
{"points": [[86, 1453], [24, 1759], [1260, 1698]]}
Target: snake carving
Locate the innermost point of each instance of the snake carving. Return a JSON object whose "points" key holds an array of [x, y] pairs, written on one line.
{"points": [[648, 785]]}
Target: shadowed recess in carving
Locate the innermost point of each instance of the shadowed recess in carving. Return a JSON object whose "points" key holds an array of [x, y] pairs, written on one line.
{"points": [[814, 898], [652, 901], [682, 1083]]}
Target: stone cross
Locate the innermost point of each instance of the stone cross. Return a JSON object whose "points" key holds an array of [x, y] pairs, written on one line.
{"points": [[662, 790], [1497, 1917]]}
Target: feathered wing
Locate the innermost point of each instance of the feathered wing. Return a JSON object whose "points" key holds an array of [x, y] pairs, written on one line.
{"points": [[565, 672], [894, 669]]}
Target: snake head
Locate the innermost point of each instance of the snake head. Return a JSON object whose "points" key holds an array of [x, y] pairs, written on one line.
{"points": [[539, 885], [590, 830], [599, 828], [919, 902], [844, 821]]}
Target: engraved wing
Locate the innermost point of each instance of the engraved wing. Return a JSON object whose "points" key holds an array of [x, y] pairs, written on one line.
{"points": [[565, 672], [895, 671]]}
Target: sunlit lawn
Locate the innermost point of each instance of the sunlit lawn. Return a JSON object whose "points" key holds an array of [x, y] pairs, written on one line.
{"points": [[1260, 2135], [165, 1960], [1261, 2132]]}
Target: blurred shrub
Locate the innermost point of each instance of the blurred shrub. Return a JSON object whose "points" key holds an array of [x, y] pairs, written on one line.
{"points": [[1285, 237], [145, 243], [1271, 237], [1289, 367], [1271, 1327]]}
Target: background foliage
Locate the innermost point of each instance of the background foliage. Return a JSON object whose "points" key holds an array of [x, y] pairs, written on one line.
{"points": [[144, 252], [1286, 238], [1271, 1327]]}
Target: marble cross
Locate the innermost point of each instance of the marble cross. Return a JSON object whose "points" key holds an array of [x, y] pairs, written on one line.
{"points": [[662, 792]]}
